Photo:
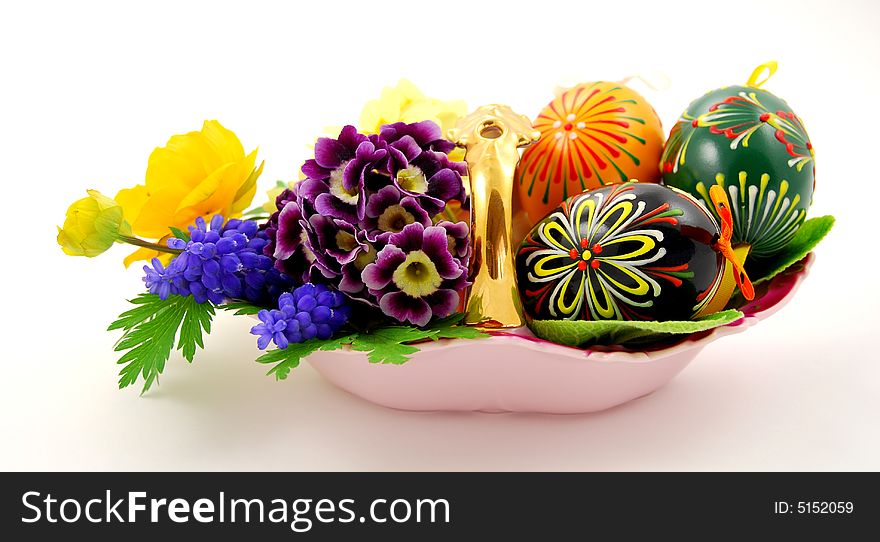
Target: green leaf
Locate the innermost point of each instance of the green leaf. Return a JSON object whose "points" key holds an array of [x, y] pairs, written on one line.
{"points": [[804, 241], [583, 333], [241, 308], [149, 335], [387, 344], [179, 233], [194, 321], [288, 358], [132, 317], [447, 328], [393, 344]]}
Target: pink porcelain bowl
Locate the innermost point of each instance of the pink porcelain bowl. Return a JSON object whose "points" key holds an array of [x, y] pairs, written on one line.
{"points": [[513, 371]]}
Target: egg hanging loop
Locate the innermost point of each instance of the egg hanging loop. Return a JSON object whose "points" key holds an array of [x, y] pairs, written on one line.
{"points": [[769, 67]]}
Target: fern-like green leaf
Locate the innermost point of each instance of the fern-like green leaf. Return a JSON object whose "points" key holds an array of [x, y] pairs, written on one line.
{"points": [[389, 344], [449, 328], [149, 335], [394, 344], [288, 358], [132, 317], [194, 321], [241, 308]]}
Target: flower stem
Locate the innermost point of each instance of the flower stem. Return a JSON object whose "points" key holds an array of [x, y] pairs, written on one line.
{"points": [[146, 244], [255, 217]]}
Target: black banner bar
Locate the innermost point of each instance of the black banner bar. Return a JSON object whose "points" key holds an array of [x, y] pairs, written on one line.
{"points": [[442, 506]]}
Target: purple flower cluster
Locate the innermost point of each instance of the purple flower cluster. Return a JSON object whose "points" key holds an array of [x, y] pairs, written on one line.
{"points": [[420, 273], [220, 261], [309, 312], [362, 221], [293, 258]]}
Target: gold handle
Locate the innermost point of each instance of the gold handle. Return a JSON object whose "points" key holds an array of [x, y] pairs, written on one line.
{"points": [[491, 137]]}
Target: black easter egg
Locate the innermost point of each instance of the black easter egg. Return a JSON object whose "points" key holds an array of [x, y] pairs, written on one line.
{"points": [[626, 252]]}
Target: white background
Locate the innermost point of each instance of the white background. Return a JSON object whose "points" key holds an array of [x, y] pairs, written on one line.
{"points": [[88, 90]]}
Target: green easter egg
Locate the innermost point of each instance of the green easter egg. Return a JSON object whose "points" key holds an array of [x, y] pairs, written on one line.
{"points": [[751, 143]]}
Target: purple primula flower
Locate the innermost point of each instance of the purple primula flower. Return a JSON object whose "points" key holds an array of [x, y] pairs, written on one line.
{"points": [[343, 163], [434, 179], [419, 165], [458, 235], [426, 134], [270, 227], [352, 188], [292, 260], [350, 280], [289, 233], [415, 276], [330, 153], [344, 253], [389, 211], [360, 192], [399, 154], [332, 205], [340, 242]]}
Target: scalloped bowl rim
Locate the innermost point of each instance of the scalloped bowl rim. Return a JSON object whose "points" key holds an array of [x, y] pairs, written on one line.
{"points": [[525, 338], [698, 339], [513, 371]]}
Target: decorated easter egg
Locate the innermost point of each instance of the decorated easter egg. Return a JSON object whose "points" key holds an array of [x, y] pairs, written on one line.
{"points": [[751, 143], [633, 251], [592, 135]]}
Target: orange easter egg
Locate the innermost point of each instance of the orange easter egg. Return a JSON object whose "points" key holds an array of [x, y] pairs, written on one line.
{"points": [[592, 135]]}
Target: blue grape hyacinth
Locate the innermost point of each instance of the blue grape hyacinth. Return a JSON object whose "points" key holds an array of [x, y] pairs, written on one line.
{"points": [[309, 312], [220, 261]]}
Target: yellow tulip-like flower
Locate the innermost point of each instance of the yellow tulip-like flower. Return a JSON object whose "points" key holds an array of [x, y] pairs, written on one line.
{"points": [[196, 174], [92, 225], [406, 103]]}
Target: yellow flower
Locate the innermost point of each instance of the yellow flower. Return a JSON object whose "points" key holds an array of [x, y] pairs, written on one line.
{"points": [[196, 174], [406, 103], [92, 225]]}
